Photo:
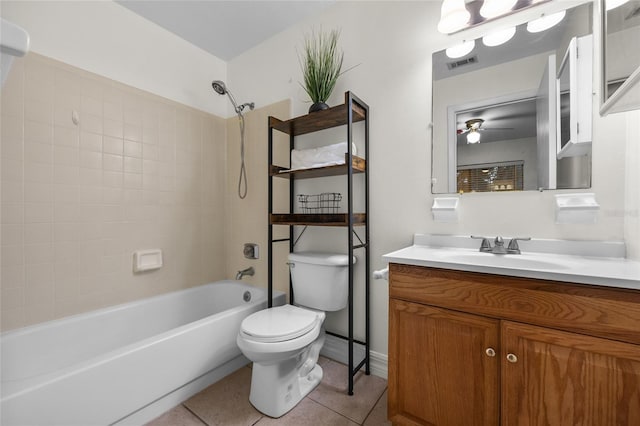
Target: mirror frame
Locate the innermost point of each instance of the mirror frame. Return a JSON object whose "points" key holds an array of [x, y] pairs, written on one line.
{"points": [[580, 121], [609, 105]]}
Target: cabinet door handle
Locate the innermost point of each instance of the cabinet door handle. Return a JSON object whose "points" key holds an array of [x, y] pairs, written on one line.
{"points": [[512, 358], [490, 352]]}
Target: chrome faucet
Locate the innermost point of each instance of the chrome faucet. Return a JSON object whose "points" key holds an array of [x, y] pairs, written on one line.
{"points": [[498, 245], [249, 271]]}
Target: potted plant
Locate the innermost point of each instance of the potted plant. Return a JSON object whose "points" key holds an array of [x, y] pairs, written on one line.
{"points": [[321, 64]]}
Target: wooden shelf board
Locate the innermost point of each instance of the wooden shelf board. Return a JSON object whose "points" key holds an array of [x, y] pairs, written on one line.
{"points": [[320, 120], [337, 219], [358, 165]]}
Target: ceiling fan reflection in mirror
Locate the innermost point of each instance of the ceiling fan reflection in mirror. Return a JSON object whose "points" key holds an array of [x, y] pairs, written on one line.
{"points": [[473, 128]]}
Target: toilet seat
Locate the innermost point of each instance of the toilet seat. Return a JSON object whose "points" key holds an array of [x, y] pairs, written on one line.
{"points": [[280, 324]]}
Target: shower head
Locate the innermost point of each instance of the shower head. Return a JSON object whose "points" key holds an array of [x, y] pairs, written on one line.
{"points": [[219, 87]]}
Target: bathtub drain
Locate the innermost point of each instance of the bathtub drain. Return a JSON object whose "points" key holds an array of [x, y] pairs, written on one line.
{"points": [[246, 296]]}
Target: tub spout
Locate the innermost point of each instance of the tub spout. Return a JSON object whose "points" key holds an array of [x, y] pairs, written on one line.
{"points": [[243, 272]]}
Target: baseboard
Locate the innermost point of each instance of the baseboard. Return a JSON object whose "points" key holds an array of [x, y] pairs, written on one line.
{"points": [[338, 350]]}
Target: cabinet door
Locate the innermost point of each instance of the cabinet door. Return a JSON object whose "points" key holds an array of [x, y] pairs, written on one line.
{"points": [[551, 377], [439, 370]]}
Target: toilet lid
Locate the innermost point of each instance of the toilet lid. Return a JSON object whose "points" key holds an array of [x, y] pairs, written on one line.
{"points": [[279, 324]]}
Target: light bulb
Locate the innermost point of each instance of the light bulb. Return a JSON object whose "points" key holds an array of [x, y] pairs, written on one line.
{"points": [[473, 136], [499, 37], [453, 16], [545, 22], [459, 50], [493, 8]]}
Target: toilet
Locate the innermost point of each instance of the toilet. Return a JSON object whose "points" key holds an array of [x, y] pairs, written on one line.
{"points": [[284, 342]]}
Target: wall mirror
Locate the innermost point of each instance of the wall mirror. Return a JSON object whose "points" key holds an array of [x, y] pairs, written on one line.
{"points": [[497, 110], [620, 21]]}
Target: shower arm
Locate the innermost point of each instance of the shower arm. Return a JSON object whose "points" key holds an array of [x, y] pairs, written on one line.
{"points": [[239, 108]]}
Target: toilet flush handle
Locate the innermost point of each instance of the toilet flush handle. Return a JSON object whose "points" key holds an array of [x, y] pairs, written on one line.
{"points": [[291, 264]]}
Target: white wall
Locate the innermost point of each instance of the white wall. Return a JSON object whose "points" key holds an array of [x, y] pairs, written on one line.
{"points": [[631, 211], [392, 43], [105, 38]]}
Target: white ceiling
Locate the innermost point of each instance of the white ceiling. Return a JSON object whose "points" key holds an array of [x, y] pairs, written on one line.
{"points": [[225, 28]]}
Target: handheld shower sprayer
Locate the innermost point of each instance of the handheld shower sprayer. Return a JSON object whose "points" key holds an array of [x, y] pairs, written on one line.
{"points": [[221, 89]]}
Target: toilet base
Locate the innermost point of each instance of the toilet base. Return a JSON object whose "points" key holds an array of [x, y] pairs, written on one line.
{"points": [[274, 395]]}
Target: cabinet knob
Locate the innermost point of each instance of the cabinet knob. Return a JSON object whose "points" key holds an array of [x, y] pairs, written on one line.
{"points": [[512, 358], [490, 352]]}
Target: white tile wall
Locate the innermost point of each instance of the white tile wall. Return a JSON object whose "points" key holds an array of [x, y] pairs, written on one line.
{"points": [[137, 171]]}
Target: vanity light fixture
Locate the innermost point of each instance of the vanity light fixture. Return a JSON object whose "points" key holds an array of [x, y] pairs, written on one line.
{"points": [[499, 37], [493, 8], [459, 15], [460, 50], [453, 16], [473, 136], [545, 22]]}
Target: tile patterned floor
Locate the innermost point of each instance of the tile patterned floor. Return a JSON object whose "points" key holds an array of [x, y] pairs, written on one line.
{"points": [[226, 403]]}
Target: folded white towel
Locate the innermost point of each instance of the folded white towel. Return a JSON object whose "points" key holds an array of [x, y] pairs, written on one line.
{"points": [[320, 157]]}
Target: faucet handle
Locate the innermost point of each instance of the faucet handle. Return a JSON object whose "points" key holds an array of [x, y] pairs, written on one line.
{"points": [[485, 245], [513, 244]]}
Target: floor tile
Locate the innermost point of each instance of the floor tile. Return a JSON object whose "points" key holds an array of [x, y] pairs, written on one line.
{"points": [[308, 413], [322, 361], [378, 416], [332, 392], [226, 402], [177, 416]]}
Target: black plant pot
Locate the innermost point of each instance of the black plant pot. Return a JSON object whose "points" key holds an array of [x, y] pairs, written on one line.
{"points": [[318, 106]]}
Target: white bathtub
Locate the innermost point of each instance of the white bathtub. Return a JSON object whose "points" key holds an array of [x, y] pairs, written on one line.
{"points": [[125, 364]]}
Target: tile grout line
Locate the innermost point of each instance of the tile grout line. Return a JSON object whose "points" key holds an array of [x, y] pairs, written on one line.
{"points": [[349, 418], [374, 405], [196, 415], [331, 409], [257, 421]]}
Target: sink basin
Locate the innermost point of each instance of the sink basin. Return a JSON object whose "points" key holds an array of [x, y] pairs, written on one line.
{"points": [[515, 261], [520, 261]]}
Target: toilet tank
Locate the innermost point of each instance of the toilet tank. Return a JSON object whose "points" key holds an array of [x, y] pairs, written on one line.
{"points": [[320, 280]]}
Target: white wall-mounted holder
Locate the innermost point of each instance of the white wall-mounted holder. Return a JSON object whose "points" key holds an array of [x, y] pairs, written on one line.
{"points": [[147, 260], [445, 209], [576, 208]]}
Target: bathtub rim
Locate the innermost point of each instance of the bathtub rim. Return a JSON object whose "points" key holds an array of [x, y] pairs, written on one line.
{"points": [[120, 306], [41, 380]]}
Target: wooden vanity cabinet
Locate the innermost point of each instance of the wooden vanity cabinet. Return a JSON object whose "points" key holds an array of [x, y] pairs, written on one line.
{"points": [[435, 375], [478, 349]]}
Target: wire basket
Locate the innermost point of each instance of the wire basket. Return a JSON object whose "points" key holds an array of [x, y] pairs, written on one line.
{"points": [[327, 202]]}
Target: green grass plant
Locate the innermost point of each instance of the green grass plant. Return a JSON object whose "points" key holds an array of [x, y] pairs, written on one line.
{"points": [[321, 64]]}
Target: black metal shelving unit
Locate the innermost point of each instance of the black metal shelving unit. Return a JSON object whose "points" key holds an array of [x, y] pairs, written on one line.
{"points": [[354, 110]]}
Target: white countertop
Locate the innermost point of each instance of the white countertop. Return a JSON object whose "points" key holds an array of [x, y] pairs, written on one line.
{"points": [[583, 269]]}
